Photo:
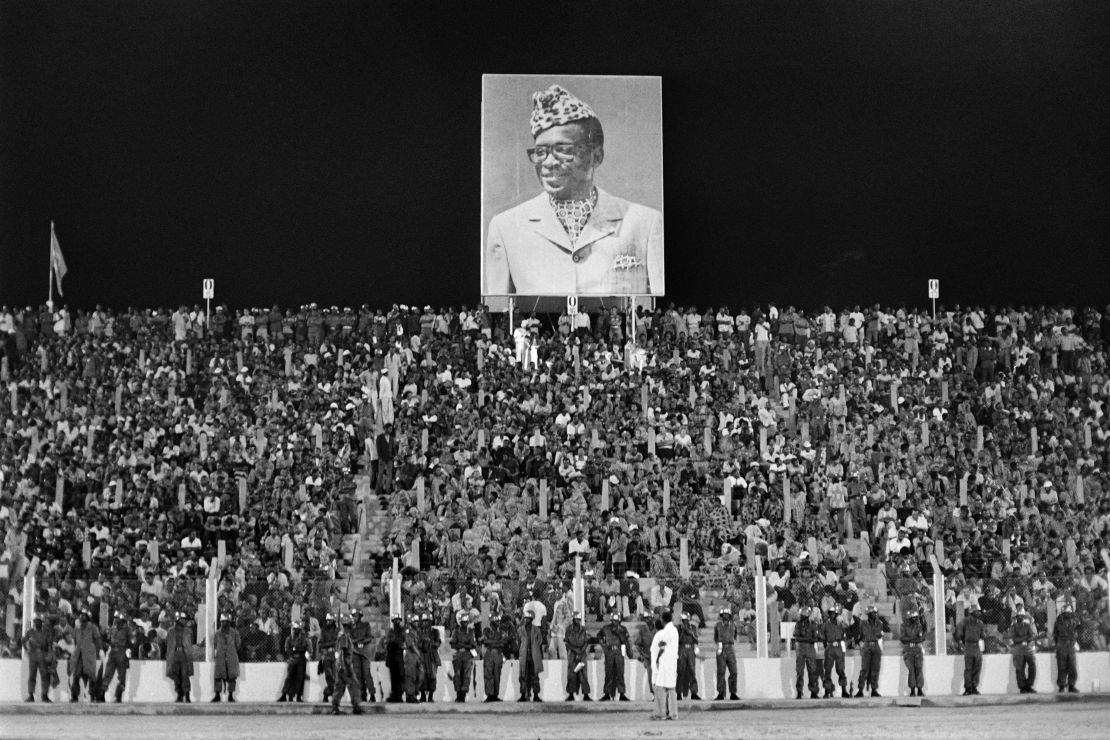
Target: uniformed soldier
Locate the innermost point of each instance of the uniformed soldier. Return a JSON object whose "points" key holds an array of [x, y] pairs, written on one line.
{"points": [[1065, 633], [429, 657], [342, 664], [179, 657], [912, 635], [119, 655], [296, 661], [1023, 639], [806, 635], [688, 650], [39, 644], [576, 640], [833, 635], [363, 655], [414, 662], [329, 634], [82, 663], [395, 659], [226, 669], [725, 634], [494, 642], [871, 632], [614, 641], [530, 656], [643, 646], [466, 650], [970, 635]]}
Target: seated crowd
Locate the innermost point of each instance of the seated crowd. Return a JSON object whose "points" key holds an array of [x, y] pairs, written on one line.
{"points": [[978, 437]]}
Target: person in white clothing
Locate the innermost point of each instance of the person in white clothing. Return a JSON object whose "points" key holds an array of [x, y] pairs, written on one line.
{"points": [[385, 398], [664, 668]]}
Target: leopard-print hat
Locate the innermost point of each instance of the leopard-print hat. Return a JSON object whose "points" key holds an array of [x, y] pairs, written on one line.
{"points": [[555, 106]]}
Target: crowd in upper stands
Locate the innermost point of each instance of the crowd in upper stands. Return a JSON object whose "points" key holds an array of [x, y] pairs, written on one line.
{"points": [[979, 437]]}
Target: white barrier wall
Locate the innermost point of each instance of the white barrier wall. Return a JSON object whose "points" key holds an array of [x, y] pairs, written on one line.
{"points": [[768, 678]]}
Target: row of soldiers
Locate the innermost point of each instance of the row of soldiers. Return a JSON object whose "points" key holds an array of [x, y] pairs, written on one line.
{"points": [[96, 657], [412, 655]]}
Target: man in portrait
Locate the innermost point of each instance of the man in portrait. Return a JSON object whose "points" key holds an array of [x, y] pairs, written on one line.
{"points": [[574, 238]]}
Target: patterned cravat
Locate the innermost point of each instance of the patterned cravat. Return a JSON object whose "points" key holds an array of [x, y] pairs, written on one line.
{"points": [[573, 214]]}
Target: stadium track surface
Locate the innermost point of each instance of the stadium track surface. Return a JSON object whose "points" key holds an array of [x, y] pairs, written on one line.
{"points": [[1038, 717]]}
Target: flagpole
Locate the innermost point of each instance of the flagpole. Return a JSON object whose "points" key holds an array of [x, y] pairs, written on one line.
{"points": [[50, 275]]}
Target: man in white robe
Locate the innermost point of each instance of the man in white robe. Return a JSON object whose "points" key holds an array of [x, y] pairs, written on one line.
{"points": [[664, 663]]}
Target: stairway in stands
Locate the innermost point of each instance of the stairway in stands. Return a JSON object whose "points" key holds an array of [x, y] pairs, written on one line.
{"points": [[370, 540]]}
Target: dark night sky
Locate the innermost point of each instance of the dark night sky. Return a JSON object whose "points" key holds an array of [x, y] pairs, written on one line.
{"points": [[836, 151]]}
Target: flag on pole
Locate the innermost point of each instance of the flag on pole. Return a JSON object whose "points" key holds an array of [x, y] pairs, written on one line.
{"points": [[57, 261]]}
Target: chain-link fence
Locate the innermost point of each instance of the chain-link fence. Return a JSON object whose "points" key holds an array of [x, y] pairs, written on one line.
{"points": [[1042, 598]]}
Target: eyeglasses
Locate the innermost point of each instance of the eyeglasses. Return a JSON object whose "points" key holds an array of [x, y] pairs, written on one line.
{"points": [[564, 152]]}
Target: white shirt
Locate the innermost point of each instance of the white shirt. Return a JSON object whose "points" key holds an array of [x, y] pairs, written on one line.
{"points": [[539, 611]]}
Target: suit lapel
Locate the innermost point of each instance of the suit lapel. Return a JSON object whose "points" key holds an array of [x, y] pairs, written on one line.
{"points": [[604, 221], [544, 223]]}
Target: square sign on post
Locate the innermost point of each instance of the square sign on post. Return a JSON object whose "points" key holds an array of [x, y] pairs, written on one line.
{"points": [[208, 292], [934, 294]]}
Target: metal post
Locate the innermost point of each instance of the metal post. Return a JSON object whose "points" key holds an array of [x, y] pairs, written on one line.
{"points": [[940, 624], [50, 273], [210, 612], [395, 591], [632, 323], [512, 308], [29, 597], [578, 586], [760, 610], [207, 314]]}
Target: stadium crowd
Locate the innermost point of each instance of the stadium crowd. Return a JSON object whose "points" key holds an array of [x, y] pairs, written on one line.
{"points": [[152, 435]]}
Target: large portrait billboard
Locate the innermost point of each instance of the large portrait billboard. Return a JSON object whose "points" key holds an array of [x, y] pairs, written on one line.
{"points": [[572, 186]]}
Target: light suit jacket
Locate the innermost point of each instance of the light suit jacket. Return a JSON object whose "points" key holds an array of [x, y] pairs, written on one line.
{"points": [[619, 252]]}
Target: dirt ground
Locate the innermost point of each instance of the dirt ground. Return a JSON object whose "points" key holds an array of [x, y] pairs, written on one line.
{"points": [[1022, 721]]}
